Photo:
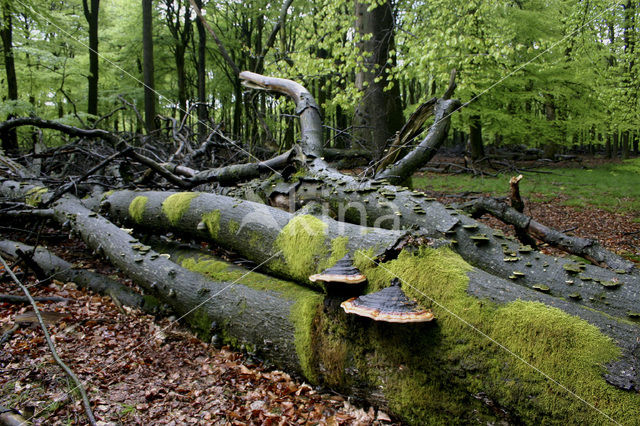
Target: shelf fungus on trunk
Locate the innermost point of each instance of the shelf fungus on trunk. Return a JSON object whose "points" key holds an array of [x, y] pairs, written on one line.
{"points": [[342, 277], [389, 304]]}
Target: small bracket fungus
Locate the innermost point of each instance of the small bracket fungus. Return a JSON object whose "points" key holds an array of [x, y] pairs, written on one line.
{"points": [[389, 304], [343, 272]]}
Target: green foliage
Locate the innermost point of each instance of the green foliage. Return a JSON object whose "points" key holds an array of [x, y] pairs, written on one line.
{"points": [[542, 71]]}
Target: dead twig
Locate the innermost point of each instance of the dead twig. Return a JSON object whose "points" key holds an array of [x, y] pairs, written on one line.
{"points": [[66, 188], [67, 370]]}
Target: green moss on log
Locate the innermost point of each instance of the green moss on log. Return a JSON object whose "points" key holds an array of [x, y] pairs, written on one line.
{"points": [[428, 372], [303, 246], [175, 205], [233, 227], [33, 197], [136, 208], [212, 220]]}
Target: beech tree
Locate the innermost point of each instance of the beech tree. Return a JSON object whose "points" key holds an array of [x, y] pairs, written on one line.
{"points": [[91, 13], [150, 98], [9, 139]]}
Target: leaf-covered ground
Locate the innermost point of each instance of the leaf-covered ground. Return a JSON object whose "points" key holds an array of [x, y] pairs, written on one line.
{"points": [[143, 370]]}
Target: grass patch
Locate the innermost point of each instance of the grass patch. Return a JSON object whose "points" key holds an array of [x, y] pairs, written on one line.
{"points": [[612, 187]]}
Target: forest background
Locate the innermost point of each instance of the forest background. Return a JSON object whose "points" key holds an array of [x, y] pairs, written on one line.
{"points": [[545, 74]]}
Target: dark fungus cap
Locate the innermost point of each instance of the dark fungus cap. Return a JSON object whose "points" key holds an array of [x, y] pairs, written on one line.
{"points": [[389, 304], [342, 272]]}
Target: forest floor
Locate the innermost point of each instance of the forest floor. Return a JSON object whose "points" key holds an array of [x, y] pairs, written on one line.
{"points": [[139, 369], [144, 370]]}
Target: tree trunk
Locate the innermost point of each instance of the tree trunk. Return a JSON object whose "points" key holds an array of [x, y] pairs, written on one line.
{"points": [[148, 65], [62, 270], [379, 114], [625, 145], [202, 78], [181, 77], [9, 138], [476, 144], [91, 14]]}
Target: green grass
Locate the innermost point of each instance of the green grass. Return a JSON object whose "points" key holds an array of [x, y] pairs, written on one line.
{"points": [[614, 187]]}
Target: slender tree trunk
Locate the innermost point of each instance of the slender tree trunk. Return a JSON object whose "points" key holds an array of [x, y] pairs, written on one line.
{"points": [[9, 138], [147, 65], [181, 74], [379, 115], [625, 145], [476, 144], [91, 14], [202, 77]]}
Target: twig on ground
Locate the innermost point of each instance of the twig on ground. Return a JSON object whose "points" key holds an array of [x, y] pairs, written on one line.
{"points": [[67, 370]]}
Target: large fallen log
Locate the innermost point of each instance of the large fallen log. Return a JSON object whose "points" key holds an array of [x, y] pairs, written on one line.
{"points": [[450, 370]]}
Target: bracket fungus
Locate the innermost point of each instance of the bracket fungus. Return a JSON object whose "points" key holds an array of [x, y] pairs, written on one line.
{"points": [[343, 272], [389, 305]]}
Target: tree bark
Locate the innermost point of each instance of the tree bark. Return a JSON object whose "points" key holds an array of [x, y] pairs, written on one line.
{"points": [[378, 116], [10, 137], [91, 15], [148, 65], [476, 144]]}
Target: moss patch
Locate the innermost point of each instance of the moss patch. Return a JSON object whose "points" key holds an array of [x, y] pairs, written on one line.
{"points": [[233, 227], [303, 246], [136, 208], [212, 220], [175, 205], [338, 251], [34, 196]]}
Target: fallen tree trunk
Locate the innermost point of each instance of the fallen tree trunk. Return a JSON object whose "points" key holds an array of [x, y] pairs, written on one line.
{"points": [[59, 269], [417, 371]]}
